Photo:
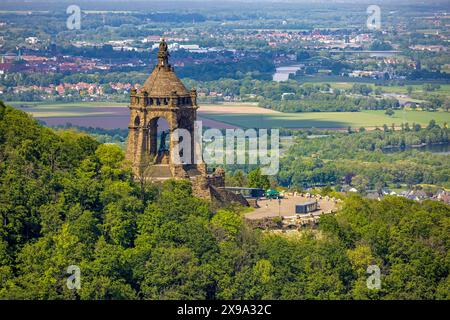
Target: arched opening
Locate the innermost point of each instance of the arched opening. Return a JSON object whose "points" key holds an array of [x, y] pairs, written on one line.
{"points": [[137, 121], [163, 134], [159, 132]]}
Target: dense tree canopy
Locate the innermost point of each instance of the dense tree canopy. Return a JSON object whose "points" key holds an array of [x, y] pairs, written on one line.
{"points": [[67, 200], [326, 160]]}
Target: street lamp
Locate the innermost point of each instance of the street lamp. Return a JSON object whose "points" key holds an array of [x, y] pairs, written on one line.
{"points": [[279, 207]]}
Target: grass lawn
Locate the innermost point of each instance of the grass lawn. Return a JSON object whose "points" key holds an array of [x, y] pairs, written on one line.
{"points": [[421, 117]]}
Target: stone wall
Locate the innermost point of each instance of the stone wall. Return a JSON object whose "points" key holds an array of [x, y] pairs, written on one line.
{"points": [[201, 187], [224, 197], [208, 187]]}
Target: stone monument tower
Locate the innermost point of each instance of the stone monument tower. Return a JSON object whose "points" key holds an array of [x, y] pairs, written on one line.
{"points": [[162, 95]]}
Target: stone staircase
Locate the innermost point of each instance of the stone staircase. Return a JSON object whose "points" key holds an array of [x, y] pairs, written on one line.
{"points": [[193, 172]]}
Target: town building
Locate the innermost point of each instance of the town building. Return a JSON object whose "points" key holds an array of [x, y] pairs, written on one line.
{"points": [[306, 207]]}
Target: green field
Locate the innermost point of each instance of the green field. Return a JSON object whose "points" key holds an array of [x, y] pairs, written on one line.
{"points": [[329, 119], [416, 88]]}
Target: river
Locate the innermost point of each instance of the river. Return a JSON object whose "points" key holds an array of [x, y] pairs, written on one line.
{"points": [[433, 148]]}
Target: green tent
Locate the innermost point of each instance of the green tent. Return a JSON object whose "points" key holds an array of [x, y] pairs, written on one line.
{"points": [[272, 193]]}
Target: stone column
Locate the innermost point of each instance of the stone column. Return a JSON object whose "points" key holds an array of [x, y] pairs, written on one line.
{"points": [[153, 139], [193, 94]]}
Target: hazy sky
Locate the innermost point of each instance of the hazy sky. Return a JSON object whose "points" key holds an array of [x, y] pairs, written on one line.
{"points": [[188, 4]]}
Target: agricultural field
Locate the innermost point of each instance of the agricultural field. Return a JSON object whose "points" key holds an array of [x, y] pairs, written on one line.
{"points": [[228, 115], [110, 115], [107, 115], [63, 106], [260, 118]]}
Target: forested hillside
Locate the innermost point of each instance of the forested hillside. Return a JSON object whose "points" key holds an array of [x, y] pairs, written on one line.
{"points": [[67, 200]]}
